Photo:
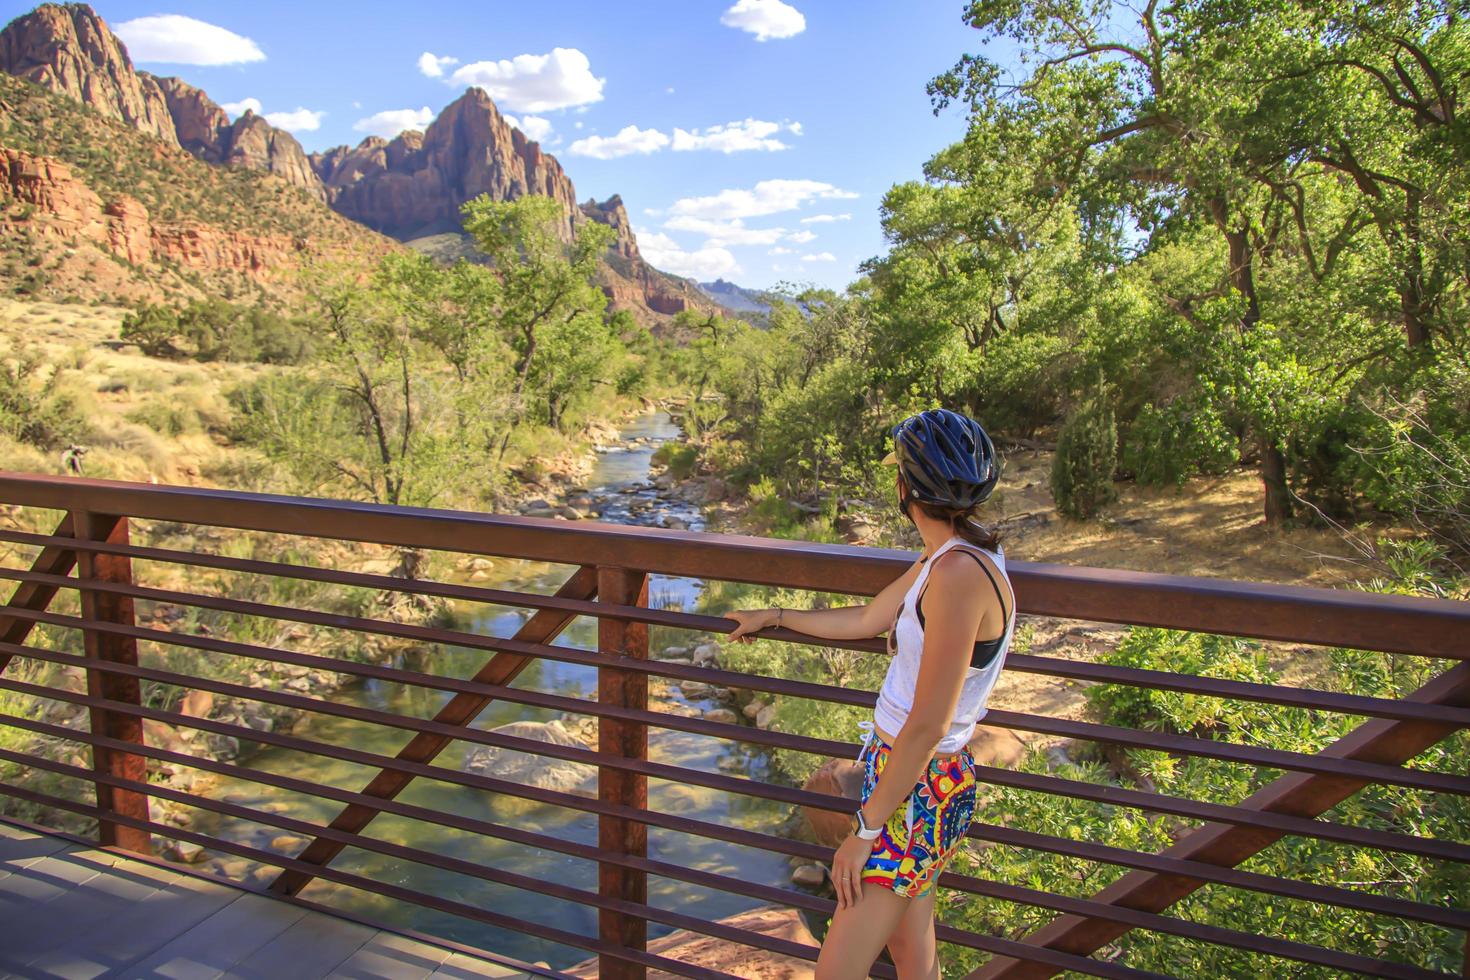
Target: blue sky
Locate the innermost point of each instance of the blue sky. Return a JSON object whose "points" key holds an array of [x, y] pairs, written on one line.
{"points": [[838, 83]]}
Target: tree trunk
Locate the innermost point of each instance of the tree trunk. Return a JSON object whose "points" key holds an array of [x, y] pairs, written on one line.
{"points": [[1278, 507], [1411, 286], [1273, 481]]}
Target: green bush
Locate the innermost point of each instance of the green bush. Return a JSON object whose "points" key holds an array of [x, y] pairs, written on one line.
{"points": [[32, 410], [1168, 444], [678, 457], [1087, 454], [214, 330], [1199, 654]]}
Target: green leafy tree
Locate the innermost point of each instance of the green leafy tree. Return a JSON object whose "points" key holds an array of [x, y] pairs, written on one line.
{"points": [[1086, 457], [547, 302]]}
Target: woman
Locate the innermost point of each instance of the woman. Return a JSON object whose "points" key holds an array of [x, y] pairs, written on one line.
{"points": [[949, 619]]}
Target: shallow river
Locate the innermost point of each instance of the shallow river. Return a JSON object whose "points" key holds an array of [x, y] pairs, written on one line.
{"points": [[617, 472]]}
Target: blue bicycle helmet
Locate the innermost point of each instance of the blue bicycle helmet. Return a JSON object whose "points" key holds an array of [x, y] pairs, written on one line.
{"points": [[946, 459]]}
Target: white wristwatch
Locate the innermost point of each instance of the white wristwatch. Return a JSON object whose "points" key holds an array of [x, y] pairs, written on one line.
{"points": [[860, 828]]}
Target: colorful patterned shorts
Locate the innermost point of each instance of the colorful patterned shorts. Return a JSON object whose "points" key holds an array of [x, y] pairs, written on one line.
{"points": [[911, 851]]}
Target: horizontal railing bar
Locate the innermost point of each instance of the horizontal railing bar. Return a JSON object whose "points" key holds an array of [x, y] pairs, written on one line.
{"points": [[1320, 894], [1074, 789], [530, 746], [1267, 758], [1012, 893], [1305, 891], [560, 654], [1300, 614], [385, 889], [1180, 744], [390, 583], [661, 719], [703, 926], [1102, 853], [1313, 699]]}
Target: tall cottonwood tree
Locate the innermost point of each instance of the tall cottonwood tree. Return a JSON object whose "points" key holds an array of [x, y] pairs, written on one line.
{"points": [[1251, 120], [548, 307]]}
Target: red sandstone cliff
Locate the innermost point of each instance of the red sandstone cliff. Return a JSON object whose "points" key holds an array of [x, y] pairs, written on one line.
{"points": [[62, 208], [414, 185]]}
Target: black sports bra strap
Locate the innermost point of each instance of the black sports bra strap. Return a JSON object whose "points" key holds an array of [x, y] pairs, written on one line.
{"points": [[985, 567], [999, 595]]}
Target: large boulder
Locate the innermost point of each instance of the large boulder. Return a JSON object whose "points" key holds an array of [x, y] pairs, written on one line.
{"points": [[836, 777], [529, 768], [997, 747]]}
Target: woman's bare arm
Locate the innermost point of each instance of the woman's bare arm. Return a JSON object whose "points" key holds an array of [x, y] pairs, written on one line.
{"points": [[843, 623]]}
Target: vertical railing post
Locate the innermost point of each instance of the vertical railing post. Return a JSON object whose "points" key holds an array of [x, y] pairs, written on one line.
{"points": [[629, 740], [109, 607]]}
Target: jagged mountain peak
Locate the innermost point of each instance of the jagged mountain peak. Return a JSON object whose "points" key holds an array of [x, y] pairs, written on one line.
{"points": [[69, 49]]}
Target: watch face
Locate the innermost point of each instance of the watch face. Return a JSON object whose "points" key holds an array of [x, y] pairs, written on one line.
{"points": [[852, 823]]}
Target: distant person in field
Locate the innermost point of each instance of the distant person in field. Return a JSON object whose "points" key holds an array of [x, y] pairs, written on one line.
{"points": [[949, 620], [71, 459]]}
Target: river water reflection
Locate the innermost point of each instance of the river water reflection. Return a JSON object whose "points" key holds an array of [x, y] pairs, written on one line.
{"points": [[619, 484]]}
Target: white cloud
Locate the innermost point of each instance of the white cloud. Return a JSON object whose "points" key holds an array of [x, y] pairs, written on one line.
{"points": [[821, 219], [234, 109], [669, 90], [535, 82], [180, 40], [629, 140], [534, 127], [720, 233], [433, 66], [766, 19], [801, 237], [795, 129], [390, 122], [766, 197], [819, 257], [778, 250], [749, 134], [664, 253], [298, 120]]}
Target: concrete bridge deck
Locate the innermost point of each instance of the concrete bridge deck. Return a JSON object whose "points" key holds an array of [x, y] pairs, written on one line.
{"points": [[70, 911]]}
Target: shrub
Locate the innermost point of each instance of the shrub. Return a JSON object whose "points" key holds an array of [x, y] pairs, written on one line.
{"points": [[32, 410], [1168, 444], [678, 457], [1087, 453], [1196, 654]]}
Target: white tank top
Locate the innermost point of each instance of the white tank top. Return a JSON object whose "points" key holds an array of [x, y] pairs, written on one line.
{"points": [[896, 697]]}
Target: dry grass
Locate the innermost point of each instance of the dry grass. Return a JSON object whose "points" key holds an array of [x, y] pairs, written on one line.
{"points": [[1211, 527], [151, 419]]}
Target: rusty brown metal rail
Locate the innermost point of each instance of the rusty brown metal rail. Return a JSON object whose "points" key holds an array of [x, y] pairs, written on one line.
{"points": [[89, 556]]}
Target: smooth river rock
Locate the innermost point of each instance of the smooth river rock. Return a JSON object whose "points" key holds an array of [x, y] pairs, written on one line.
{"points": [[528, 768]]}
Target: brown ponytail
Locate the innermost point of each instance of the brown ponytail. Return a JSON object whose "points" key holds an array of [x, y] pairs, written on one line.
{"points": [[965, 524]]}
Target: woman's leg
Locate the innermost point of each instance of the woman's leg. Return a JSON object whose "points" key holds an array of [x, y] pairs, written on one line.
{"points": [[912, 947], [859, 933]]}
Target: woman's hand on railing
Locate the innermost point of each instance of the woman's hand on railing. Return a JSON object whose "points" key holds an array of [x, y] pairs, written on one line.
{"points": [[751, 621]]}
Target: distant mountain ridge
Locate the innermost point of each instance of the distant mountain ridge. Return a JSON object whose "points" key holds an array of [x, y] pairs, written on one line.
{"points": [[408, 188], [736, 299]]}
